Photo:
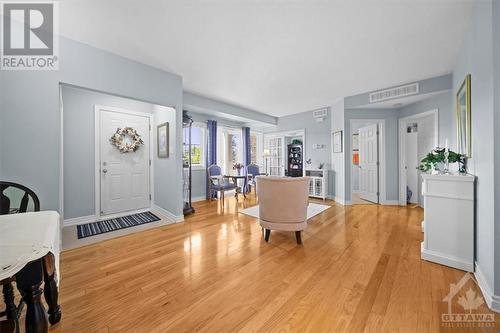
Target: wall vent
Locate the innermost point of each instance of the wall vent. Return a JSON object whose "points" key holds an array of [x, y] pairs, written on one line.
{"points": [[320, 113], [401, 91]]}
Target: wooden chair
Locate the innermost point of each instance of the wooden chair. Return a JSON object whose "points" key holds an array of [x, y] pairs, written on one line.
{"points": [[14, 198]]}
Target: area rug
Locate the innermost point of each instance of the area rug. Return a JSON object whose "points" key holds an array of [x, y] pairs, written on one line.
{"points": [[312, 210], [100, 227]]}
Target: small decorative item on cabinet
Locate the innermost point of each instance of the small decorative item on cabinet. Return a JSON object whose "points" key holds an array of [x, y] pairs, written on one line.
{"points": [[318, 183]]}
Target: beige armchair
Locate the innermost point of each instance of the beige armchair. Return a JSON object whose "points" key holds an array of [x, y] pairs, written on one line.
{"points": [[283, 204]]}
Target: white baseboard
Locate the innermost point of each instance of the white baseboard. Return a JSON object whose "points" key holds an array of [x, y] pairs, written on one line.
{"points": [[342, 201], [390, 203], [196, 199], [80, 220], [168, 215], [492, 300], [446, 260]]}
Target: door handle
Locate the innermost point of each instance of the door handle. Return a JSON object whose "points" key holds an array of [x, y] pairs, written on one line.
{"points": [[104, 170]]}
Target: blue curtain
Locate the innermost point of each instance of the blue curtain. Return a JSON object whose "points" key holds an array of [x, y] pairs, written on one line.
{"points": [[211, 146], [247, 157]]}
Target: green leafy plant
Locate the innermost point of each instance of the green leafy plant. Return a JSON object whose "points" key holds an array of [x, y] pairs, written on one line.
{"points": [[437, 156]]}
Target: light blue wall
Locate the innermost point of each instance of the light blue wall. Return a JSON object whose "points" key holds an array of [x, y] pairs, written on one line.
{"points": [[316, 133], [391, 148], [444, 103], [496, 101], [205, 105], [476, 58], [29, 103], [79, 146]]}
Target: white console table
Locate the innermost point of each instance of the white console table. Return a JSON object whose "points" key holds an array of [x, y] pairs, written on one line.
{"points": [[318, 183], [449, 220]]}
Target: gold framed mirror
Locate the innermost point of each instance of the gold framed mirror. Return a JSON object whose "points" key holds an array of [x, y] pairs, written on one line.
{"points": [[464, 143]]}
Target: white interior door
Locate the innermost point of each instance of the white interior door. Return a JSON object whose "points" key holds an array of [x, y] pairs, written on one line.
{"points": [[275, 160], [368, 163], [124, 177], [412, 164]]}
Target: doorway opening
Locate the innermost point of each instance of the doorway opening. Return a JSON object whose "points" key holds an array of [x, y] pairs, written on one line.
{"points": [[367, 161], [418, 134], [92, 191], [278, 160]]}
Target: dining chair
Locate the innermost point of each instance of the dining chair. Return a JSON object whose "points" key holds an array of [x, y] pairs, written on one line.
{"points": [[252, 171], [14, 198], [217, 183]]}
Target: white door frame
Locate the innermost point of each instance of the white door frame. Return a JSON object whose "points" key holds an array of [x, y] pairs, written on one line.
{"points": [[97, 157], [402, 147], [382, 198], [284, 153]]}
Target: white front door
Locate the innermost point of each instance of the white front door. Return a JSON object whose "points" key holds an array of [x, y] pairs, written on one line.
{"points": [[124, 177], [368, 163]]}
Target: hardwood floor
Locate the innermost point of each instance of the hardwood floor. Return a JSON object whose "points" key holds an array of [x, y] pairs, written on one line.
{"points": [[358, 269]]}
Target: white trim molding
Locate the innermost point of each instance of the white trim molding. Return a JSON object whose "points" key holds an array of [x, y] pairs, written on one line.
{"points": [[342, 201], [172, 218], [80, 220], [492, 300], [200, 198], [445, 259], [95, 218], [390, 203]]}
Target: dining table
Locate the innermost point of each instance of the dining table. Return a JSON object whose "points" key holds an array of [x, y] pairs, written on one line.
{"points": [[29, 257], [239, 189]]}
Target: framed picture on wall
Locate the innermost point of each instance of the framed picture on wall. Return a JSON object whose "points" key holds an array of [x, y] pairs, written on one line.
{"points": [[162, 140], [337, 142]]}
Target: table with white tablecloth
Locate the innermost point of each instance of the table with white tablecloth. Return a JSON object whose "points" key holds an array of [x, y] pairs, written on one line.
{"points": [[29, 255]]}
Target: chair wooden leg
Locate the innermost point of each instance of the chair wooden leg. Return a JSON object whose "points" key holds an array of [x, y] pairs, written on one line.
{"points": [[298, 236], [267, 235]]}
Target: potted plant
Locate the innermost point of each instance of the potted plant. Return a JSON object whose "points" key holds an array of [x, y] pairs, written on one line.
{"points": [[238, 167], [436, 160]]}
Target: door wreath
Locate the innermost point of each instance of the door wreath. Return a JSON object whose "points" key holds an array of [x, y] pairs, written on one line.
{"points": [[126, 140]]}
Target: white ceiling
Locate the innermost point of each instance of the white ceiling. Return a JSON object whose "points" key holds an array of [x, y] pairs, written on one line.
{"points": [[277, 57]]}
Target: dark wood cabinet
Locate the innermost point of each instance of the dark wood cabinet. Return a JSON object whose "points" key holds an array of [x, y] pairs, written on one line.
{"points": [[295, 160]]}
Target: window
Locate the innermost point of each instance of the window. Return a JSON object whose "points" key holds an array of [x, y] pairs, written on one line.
{"points": [[256, 148], [198, 147], [253, 149], [229, 148]]}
